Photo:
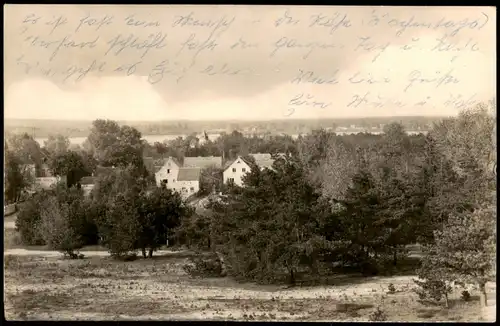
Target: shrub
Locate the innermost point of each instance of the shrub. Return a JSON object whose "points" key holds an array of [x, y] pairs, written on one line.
{"points": [[211, 266], [120, 230], [129, 257], [432, 291], [461, 252], [465, 295], [28, 220], [392, 288], [378, 315], [56, 229]]}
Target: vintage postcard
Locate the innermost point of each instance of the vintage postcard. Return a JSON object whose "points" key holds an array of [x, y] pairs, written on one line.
{"points": [[250, 163]]}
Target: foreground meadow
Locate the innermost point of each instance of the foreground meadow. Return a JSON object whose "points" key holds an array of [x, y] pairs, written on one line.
{"points": [[46, 287]]}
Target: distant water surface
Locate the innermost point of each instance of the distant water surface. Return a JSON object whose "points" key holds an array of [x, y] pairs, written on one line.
{"points": [[161, 138]]}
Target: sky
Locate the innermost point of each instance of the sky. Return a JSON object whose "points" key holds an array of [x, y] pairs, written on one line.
{"points": [[244, 62]]}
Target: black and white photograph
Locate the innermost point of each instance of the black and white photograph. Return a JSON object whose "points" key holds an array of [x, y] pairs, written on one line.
{"points": [[250, 163]]}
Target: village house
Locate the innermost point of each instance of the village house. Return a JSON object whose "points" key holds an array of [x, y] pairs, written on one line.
{"points": [[188, 181], [87, 184], [41, 178], [184, 179], [45, 171], [47, 183], [29, 170], [236, 169], [33, 171], [167, 173]]}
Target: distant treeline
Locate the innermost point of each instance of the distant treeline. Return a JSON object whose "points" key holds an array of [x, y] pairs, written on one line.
{"points": [[44, 128]]}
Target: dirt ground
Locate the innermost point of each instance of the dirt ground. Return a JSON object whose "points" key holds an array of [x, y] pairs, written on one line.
{"points": [[9, 222], [42, 286]]}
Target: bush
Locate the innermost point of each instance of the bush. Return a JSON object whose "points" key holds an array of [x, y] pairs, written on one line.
{"points": [[129, 256], [76, 256], [465, 295], [378, 315], [432, 291], [28, 220], [56, 229], [392, 289], [211, 266], [120, 230]]}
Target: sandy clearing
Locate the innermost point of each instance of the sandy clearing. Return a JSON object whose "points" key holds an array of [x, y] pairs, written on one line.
{"points": [[203, 294], [203, 300], [489, 312], [9, 224]]}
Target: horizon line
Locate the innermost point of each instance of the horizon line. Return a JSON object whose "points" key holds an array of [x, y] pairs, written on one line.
{"points": [[229, 120]]}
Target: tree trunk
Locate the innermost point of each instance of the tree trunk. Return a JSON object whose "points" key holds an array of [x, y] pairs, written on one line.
{"points": [[292, 277], [150, 254], [395, 257], [144, 252], [314, 265], [446, 302], [482, 295]]}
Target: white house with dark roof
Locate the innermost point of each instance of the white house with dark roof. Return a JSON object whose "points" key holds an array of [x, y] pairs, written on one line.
{"points": [[188, 181], [236, 169], [185, 180], [167, 174]]}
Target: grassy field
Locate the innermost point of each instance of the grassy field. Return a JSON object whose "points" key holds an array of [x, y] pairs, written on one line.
{"points": [[98, 288]]}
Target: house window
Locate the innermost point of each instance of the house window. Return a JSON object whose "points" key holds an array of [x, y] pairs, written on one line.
{"points": [[234, 169], [164, 181], [192, 189], [243, 170], [168, 170], [173, 180], [230, 179], [183, 189]]}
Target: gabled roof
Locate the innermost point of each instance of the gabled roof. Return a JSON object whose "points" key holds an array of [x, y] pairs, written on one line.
{"points": [[263, 160], [203, 162], [189, 174], [176, 161], [87, 181], [159, 163], [229, 163]]}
